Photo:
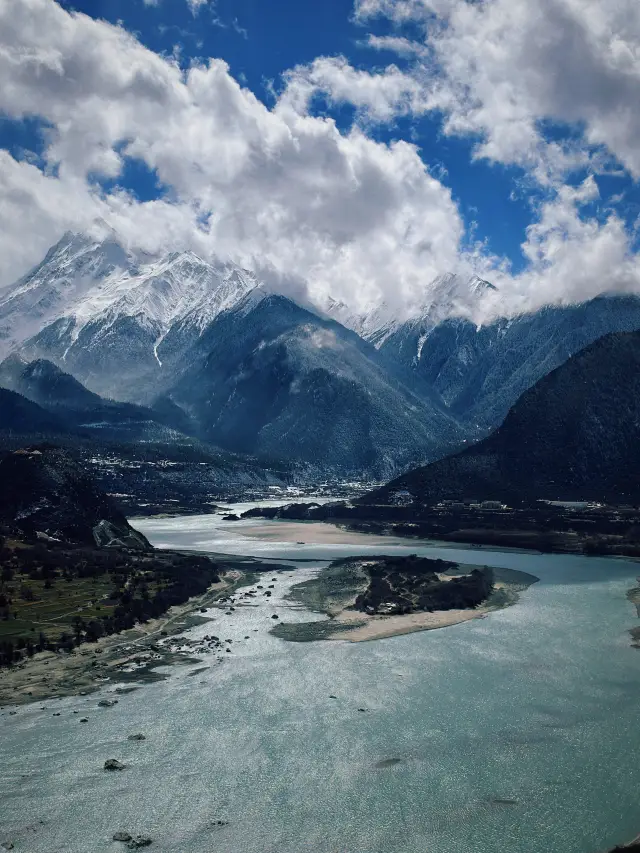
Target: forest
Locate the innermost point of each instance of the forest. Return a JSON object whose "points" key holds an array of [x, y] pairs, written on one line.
{"points": [[53, 597], [411, 584]]}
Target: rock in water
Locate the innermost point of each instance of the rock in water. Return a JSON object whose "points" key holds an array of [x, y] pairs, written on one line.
{"points": [[139, 841], [121, 836], [113, 764], [136, 737]]}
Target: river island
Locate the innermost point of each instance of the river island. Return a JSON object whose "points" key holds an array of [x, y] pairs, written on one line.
{"points": [[374, 597]]}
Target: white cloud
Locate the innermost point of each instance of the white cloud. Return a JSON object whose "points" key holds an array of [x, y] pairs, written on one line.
{"points": [[196, 5], [398, 11], [503, 66], [276, 190], [500, 71], [284, 192], [571, 257], [397, 44], [380, 96]]}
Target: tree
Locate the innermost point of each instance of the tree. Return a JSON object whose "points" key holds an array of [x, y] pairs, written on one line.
{"points": [[27, 593]]}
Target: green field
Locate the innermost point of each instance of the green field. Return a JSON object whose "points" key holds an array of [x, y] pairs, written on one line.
{"points": [[53, 596], [53, 610]]}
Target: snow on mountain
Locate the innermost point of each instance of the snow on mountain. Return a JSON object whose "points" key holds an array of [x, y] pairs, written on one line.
{"points": [[87, 281], [447, 296], [374, 325]]}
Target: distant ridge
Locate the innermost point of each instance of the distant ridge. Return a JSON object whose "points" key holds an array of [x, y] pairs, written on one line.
{"points": [[574, 435]]}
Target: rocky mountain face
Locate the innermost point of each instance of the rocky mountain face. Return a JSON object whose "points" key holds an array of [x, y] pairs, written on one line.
{"points": [[269, 376], [80, 411], [101, 312], [574, 435], [480, 372], [205, 350], [46, 492]]}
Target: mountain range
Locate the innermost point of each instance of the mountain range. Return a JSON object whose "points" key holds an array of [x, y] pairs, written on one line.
{"points": [[174, 348], [573, 435]]}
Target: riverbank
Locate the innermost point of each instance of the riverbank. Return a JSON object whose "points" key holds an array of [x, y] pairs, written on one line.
{"points": [[634, 597], [116, 658], [363, 627], [134, 655], [543, 527], [496, 729]]}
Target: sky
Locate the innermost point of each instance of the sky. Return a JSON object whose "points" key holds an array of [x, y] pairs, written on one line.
{"points": [[352, 148]]}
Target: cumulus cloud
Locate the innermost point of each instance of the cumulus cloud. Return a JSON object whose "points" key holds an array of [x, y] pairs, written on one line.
{"points": [[379, 96], [272, 189], [312, 209], [571, 257], [549, 87], [501, 67]]}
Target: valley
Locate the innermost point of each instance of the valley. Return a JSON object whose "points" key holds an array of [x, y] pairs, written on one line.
{"points": [[319, 426], [232, 518]]}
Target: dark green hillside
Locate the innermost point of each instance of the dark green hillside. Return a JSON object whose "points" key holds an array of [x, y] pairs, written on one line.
{"points": [[574, 435]]}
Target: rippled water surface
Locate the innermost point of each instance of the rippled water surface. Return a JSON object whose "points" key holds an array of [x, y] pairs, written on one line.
{"points": [[517, 733]]}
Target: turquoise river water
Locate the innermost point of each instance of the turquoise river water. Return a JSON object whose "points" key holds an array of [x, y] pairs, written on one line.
{"points": [[515, 733]]}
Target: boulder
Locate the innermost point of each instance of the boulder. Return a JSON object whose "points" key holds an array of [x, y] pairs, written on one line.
{"points": [[139, 841], [113, 764], [121, 836], [107, 703], [136, 737]]}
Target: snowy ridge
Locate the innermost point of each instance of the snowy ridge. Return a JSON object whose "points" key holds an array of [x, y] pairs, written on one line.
{"points": [[374, 325], [88, 281], [448, 295]]}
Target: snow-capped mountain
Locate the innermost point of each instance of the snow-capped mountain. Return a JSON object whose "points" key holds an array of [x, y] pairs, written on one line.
{"points": [[271, 377], [85, 280], [447, 296], [374, 325], [101, 311]]}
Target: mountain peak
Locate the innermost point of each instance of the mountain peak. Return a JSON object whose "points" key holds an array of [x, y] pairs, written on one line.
{"points": [[87, 281], [446, 296]]}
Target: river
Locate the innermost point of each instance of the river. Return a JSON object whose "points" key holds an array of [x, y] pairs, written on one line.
{"points": [[516, 733]]}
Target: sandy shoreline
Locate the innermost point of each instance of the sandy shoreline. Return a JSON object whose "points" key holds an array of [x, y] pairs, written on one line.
{"points": [[305, 532], [52, 675], [382, 627]]}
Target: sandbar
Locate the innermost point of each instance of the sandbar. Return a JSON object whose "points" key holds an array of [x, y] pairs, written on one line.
{"points": [[382, 627]]}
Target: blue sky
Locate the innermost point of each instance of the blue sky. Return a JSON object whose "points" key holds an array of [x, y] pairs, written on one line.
{"points": [[521, 163]]}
